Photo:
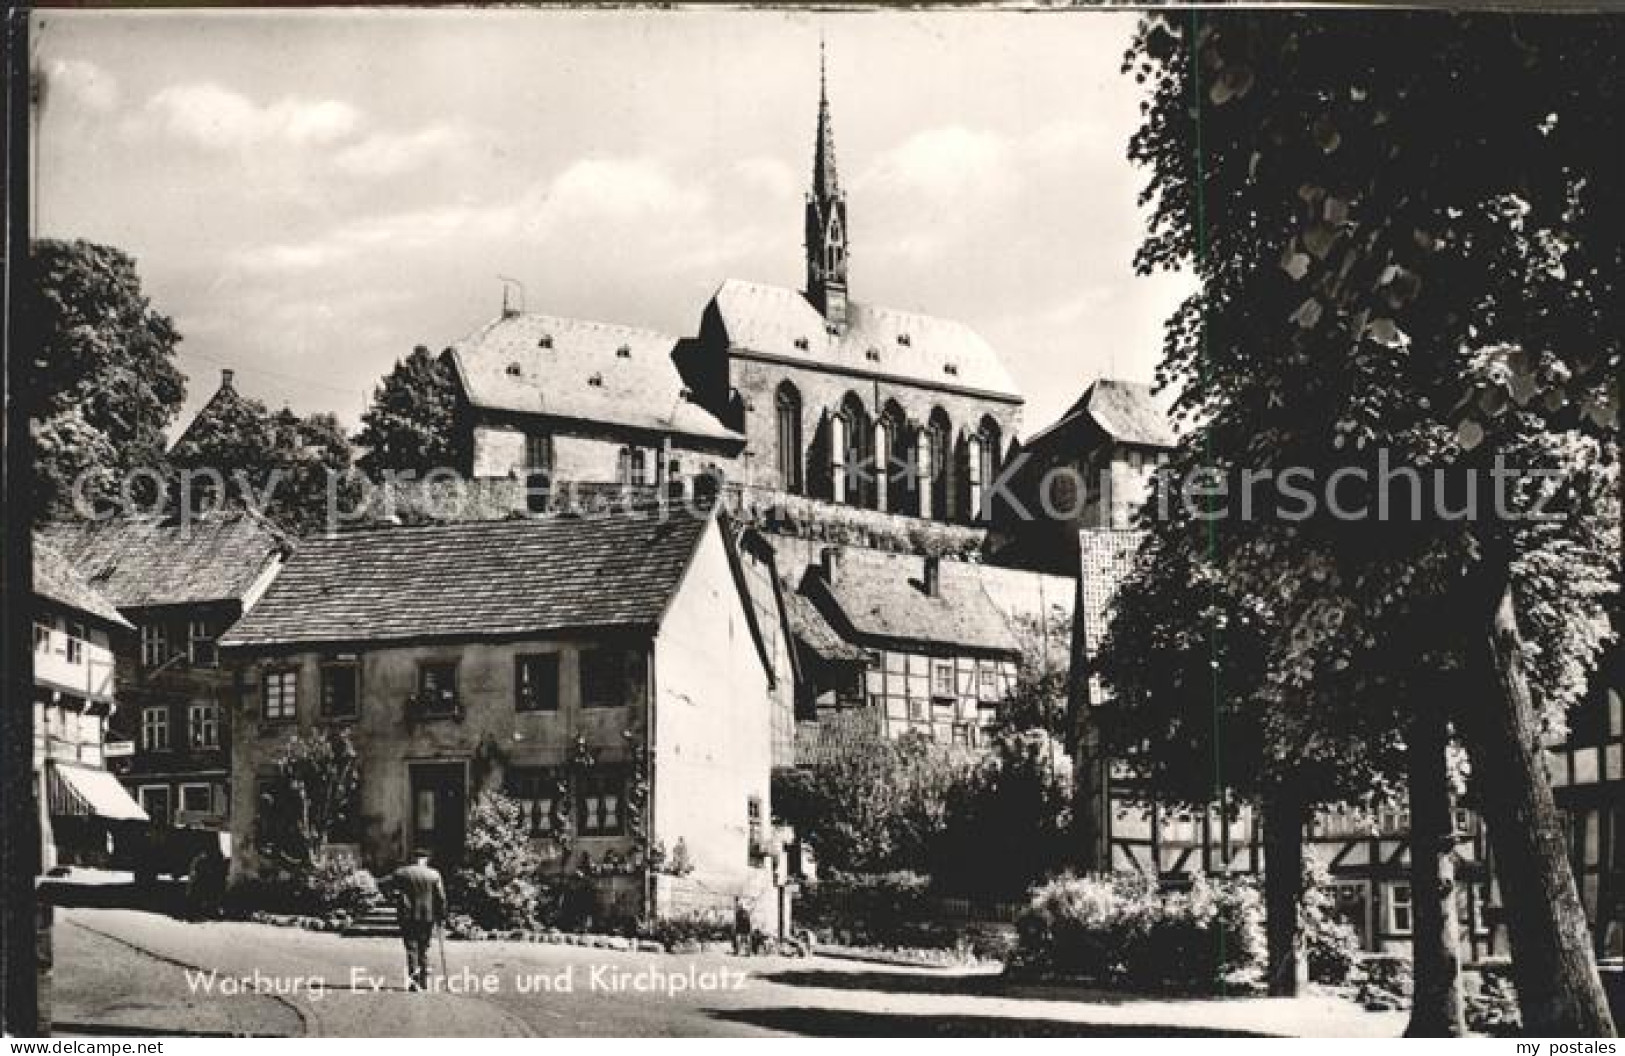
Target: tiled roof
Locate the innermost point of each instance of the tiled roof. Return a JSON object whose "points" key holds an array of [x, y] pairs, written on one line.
{"points": [[776, 321], [571, 368], [881, 595], [142, 561], [1126, 411], [477, 579], [813, 631], [56, 580], [1106, 558]]}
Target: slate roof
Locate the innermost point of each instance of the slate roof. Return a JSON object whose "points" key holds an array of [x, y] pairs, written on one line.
{"points": [[1126, 411], [814, 633], [545, 364], [1106, 557], [772, 319], [879, 595], [56, 580], [476, 580], [146, 561]]}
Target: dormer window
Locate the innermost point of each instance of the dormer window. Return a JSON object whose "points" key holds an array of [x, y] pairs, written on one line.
{"points": [[624, 352], [513, 370], [596, 381], [872, 355], [951, 368], [831, 329], [801, 343], [546, 341], [904, 339]]}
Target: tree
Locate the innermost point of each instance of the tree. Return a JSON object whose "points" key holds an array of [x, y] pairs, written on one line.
{"points": [[497, 884], [237, 453], [411, 425], [876, 806], [310, 797], [1007, 823], [102, 383], [1408, 234]]}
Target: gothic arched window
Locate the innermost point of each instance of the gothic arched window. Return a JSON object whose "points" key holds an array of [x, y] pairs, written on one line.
{"points": [[787, 407], [849, 448], [935, 457], [892, 469]]}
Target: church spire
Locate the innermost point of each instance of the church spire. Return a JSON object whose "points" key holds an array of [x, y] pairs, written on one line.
{"points": [[826, 217]]}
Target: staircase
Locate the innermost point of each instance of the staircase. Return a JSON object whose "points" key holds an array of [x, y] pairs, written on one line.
{"points": [[377, 921]]}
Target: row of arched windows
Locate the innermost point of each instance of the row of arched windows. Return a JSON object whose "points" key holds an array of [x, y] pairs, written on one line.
{"points": [[886, 463]]}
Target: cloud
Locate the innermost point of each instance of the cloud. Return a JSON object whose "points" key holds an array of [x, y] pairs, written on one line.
{"points": [[767, 175], [87, 84], [216, 118], [941, 164], [392, 153]]}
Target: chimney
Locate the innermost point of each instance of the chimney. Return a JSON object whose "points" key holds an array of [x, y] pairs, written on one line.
{"points": [[933, 576], [226, 374], [830, 560]]}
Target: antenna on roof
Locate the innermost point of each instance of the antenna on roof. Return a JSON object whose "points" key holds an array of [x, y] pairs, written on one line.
{"points": [[507, 285]]}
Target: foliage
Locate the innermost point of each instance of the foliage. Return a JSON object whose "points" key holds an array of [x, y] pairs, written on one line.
{"points": [[237, 453], [327, 890], [1331, 945], [696, 926], [1492, 1005], [310, 797], [102, 383], [497, 884], [410, 425], [877, 806], [1121, 931], [1008, 820]]}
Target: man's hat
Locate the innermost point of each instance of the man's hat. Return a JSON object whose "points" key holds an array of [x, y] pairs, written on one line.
{"points": [[422, 852]]}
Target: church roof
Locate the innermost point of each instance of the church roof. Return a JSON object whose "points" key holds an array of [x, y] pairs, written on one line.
{"points": [[1126, 411], [573, 368], [885, 342]]}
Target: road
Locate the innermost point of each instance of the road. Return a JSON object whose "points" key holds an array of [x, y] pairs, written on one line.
{"points": [[118, 968]]}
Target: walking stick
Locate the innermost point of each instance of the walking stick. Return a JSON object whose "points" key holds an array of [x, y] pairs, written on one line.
{"points": [[440, 933]]}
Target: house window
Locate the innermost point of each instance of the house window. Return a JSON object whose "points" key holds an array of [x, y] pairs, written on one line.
{"points": [[536, 790], [634, 466], [437, 686], [155, 729], [987, 682], [538, 453], [154, 800], [942, 680], [788, 407], [154, 645], [758, 828], [536, 682], [602, 799], [341, 689], [611, 677], [76, 642], [42, 638], [197, 799], [961, 735], [203, 729], [279, 696], [1399, 909], [200, 650]]}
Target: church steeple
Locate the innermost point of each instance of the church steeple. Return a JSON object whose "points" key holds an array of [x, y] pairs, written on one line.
{"points": [[826, 218]]}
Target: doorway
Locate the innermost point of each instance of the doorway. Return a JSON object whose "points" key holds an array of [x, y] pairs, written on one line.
{"points": [[439, 811]]}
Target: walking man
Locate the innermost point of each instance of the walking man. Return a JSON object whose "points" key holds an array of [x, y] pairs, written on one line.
{"points": [[420, 901]]}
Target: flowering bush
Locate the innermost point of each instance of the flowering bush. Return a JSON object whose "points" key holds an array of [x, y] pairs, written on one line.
{"points": [[497, 885], [1121, 931]]}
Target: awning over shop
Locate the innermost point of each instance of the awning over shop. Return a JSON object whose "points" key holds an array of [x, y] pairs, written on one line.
{"points": [[79, 791]]}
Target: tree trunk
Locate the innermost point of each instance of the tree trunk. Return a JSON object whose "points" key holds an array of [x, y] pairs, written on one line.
{"points": [[1559, 992], [1436, 1007], [1284, 814]]}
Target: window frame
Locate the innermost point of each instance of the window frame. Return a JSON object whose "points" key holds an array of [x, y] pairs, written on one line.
{"points": [[208, 791], [210, 713], [539, 701], [287, 696], [545, 777], [149, 728], [154, 645], [441, 706], [330, 667], [1397, 905], [599, 785], [633, 660], [194, 639], [939, 668]]}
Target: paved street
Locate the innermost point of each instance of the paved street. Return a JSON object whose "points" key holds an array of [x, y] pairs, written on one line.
{"points": [[128, 968]]}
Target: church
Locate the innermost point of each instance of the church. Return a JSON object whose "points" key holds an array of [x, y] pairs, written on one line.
{"points": [[810, 393]]}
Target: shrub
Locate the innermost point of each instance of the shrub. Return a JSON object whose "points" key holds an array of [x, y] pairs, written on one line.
{"points": [[1492, 1005], [694, 926], [327, 890], [1121, 931], [1331, 945], [497, 886]]}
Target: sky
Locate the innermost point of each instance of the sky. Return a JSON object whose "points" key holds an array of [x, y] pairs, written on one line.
{"points": [[310, 195]]}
